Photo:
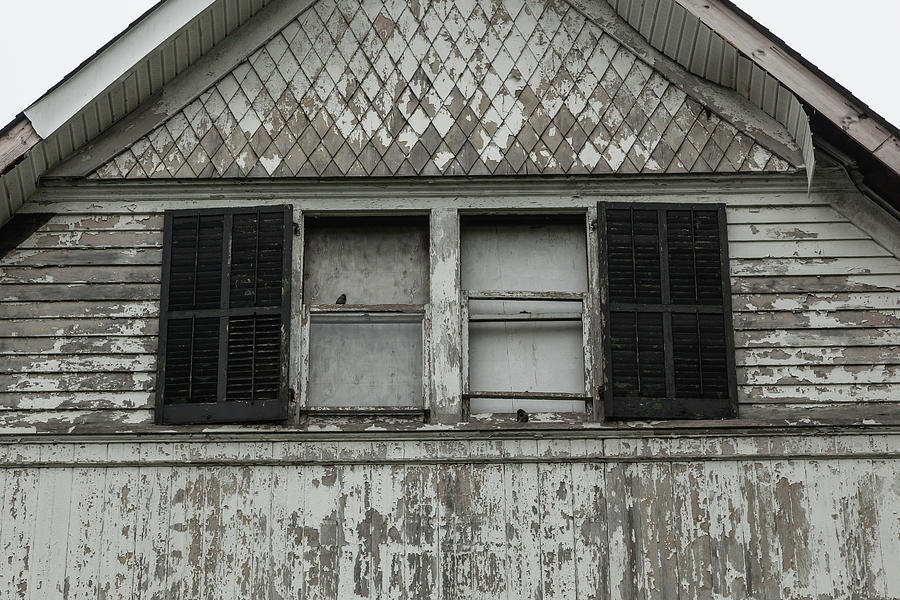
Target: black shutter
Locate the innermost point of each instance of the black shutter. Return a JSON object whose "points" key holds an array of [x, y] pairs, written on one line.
{"points": [[666, 301], [225, 315]]}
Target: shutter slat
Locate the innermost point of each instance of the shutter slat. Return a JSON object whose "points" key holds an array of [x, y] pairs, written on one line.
{"points": [[699, 354], [225, 368]]}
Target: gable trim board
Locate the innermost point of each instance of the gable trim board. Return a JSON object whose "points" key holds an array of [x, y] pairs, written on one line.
{"points": [[132, 89]]}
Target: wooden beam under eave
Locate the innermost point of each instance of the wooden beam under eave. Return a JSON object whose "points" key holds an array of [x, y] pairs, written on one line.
{"points": [[16, 141]]}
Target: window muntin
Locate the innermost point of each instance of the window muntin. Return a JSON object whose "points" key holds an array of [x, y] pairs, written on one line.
{"points": [[524, 282], [365, 299]]}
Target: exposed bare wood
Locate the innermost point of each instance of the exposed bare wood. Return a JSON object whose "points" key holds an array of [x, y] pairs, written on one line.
{"points": [[816, 319], [73, 291], [815, 301], [95, 309], [792, 338], [80, 274], [844, 355], [28, 327], [16, 141], [814, 284], [94, 238]]}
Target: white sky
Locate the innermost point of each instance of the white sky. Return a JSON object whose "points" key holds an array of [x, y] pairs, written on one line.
{"points": [[854, 43]]}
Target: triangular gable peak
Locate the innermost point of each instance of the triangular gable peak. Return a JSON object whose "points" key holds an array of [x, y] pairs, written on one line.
{"points": [[447, 87]]}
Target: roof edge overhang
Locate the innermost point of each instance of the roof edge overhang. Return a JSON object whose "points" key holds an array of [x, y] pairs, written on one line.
{"points": [[712, 36], [111, 62], [836, 116]]}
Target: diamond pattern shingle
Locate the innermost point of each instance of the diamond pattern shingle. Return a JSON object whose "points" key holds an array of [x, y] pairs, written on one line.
{"points": [[387, 87]]}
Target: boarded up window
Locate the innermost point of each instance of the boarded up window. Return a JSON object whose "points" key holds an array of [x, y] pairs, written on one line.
{"points": [[667, 312], [365, 288], [224, 316], [525, 279]]}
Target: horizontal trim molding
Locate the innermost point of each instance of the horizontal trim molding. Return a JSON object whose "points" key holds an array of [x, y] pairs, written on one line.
{"points": [[448, 447]]}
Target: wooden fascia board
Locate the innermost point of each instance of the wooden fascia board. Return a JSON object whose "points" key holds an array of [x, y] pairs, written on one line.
{"points": [[17, 139], [177, 93], [840, 108]]}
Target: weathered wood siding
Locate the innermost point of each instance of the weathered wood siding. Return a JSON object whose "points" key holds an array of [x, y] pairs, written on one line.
{"points": [[816, 301], [759, 517]]}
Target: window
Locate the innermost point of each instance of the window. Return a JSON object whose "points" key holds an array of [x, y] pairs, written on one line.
{"points": [[524, 281], [365, 298], [666, 302], [541, 298], [224, 316]]}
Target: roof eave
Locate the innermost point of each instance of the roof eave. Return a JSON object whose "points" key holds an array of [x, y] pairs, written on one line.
{"points": [[111, 62], [818, 91]]}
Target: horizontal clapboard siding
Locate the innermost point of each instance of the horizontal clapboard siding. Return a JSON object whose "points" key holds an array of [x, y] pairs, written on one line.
{"points": [[322, 523], [79, 308], [816, 307], [816, 313]]}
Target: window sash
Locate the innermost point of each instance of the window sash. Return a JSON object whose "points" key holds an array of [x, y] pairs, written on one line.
{"points": [[387, 313], [523, 296]]}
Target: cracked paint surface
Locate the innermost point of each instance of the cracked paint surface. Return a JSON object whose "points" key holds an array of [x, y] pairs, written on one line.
{"points": [[384, 87]]}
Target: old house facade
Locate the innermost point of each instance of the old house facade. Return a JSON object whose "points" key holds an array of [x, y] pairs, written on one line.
{"points": [[449, 299]]}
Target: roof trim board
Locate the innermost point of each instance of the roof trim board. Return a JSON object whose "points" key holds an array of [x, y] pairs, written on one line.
{"points": [[60, 104], [817, 89], [17, 139]]}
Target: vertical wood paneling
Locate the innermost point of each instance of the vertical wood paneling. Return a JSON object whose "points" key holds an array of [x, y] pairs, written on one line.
{"points": [[623, 558], [389, 530], [799, 528], [422, 538], [557, 526], [17, 535], [354, 560], [85, 526], [887, 496], [693, 526], [49, 542], [456, 524], [152, 535], [590, 523], [662, 515], [763, 552], [489, 559], [117, 545], [184, 575], [522, 507]]}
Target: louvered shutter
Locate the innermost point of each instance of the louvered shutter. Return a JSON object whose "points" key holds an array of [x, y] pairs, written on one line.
{"points": [[224, 317], [666, 304]]}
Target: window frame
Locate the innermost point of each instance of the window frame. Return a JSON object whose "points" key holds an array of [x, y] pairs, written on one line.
{"points": [[584, 215], [549, 296], [693, 408], [223, 411], [305, 313]]}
